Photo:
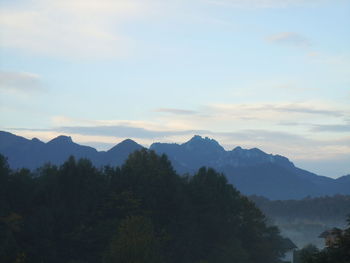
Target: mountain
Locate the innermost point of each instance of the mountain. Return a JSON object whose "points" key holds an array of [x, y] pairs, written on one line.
{"points": [[198, 152], [252, 171], [190, 156], [24, 153], [119, 153]]}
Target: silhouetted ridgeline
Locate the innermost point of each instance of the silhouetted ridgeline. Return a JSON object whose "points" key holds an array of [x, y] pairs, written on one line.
{"points": [[141, 212], [252, 171]]}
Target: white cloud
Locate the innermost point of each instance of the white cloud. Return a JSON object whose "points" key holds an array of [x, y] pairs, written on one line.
{"points": [[20, 82], [70, 28], [249, 125], [279, 111], [230, 117], [60, 121]]}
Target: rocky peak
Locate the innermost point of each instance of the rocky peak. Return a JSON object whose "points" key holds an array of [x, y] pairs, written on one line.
{"points": [[198, 142]]}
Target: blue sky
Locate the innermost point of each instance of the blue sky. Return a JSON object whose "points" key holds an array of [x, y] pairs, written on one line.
{"points": [[256, 73]]}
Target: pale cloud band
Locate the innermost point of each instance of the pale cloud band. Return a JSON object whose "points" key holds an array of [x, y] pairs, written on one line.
{"points": [[125, 131], [20, 82], [176, 111], [68, 28], [94, 28], [342, 128], [275, 111]]}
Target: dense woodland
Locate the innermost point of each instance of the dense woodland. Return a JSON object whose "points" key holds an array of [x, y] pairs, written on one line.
{"points": [[140, 212], [332, 209]]}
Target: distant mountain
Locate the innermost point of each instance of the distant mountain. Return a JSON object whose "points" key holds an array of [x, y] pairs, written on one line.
{"points": [[198, 152], [252, 171], [119, 153], [24, 153]]}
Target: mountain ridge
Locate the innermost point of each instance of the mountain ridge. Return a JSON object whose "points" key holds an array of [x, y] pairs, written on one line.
{"points": [[252, 171]]}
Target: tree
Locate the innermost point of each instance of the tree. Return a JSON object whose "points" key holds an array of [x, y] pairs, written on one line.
{"points": [[338, 252], [140, 212], [307, 254], [135, 242]]}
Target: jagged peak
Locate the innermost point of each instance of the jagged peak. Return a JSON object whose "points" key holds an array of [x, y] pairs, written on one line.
{"points": [[257, 151], [197, 137], [198, 140]]}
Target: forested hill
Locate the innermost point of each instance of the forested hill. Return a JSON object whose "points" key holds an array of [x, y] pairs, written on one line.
{"points": [[252, 171], [328, 209], [140, 212]]}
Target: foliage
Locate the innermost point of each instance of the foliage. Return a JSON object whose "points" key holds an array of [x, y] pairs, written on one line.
{"points": [[140, 212], [339, 251], [306, 254], [135, 242], [304, 220], [323, 209]]}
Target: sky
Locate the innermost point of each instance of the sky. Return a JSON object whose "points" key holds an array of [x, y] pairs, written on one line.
{"points": [[270, 74]]}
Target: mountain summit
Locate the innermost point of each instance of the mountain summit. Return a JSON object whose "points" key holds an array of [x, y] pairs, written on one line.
{"points": [[252, 171], [62, 139], [198, 143]]}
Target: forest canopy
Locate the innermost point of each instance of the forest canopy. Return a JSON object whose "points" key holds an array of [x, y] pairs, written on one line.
{"points": [[139, 212]]}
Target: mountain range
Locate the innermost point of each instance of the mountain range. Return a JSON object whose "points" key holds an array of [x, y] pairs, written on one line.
{"points": [[251, 171]]}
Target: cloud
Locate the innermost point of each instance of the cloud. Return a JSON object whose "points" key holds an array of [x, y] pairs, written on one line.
{"points": [[176, 111], [143, 133], [215, 118], [263, 135], [331, 128], [274, 111], [125, 131], [69, 28], [289, 38], [307, 110], [20, 82]]}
